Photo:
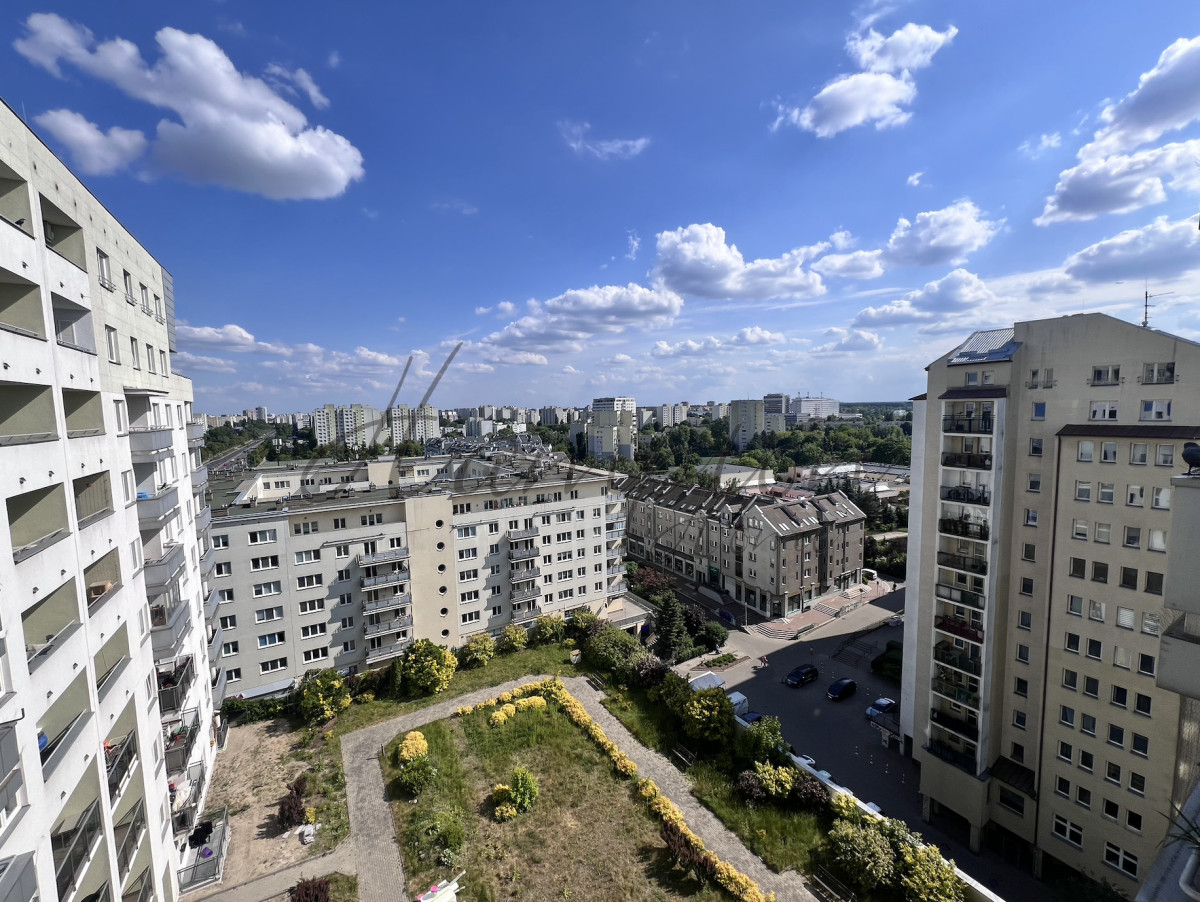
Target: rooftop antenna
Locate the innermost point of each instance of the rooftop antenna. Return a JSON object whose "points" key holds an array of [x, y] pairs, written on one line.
{"points": [[1147, 305]]}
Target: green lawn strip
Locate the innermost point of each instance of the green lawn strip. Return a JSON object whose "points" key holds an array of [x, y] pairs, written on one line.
{"points": [[343, 888], [587, 837]]}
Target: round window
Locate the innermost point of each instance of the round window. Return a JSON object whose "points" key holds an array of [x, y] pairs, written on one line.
{"points": [[440, 523], [441, 568], [445, 633], [445, 611], [441, 546], [441, 590]]}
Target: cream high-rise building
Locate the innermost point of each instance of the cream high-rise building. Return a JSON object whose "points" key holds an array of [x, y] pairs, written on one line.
{"points": [[746, 420], [1044, 695], [108, 694]]}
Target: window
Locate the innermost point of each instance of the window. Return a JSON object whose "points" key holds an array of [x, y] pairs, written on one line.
{"points": [[316, 654], [1154, 582], [1079, 529], [1066, 716], [1118, 858], [1070, 679], [1024, 620], [1065, 751], [270, 562], [466, 532], [221, 541], [1023, 654], [1026, 585], [1116, 735], [1111, 809], [135, 357], [1062, 787], [1158, 374], [312, 629], [1021, 687], [1091, 687], [470, 617], [1126, 619], [1105, 493], [1095, 649], [304, 529], [1165, 456], [262, 537], [229, 622], [1075, 605], [1106, 375], [229, 649], [1129, 580], [1039, 410], [224, 595], [224, 568], [1103, 533], [1083, 797], [1140, 745], [1120, 696], [346, 623], [1133, 537], [342, 575], [150, 358], [348, 647], [1112, 772], [268, 639], [1146, 664], [1135, 496], [1035, 447], [266, 615], [1034, 482], [339, 523], [371, 519], [1161, 499], [467, 575], [1137, 783], [1030, 517], [1087, 761], [1099, 572], [310, 581], [1072, 643], [1012, 801], [113, 346], [1070, 832], [162, 362], [1087, 724], [1108, 452], [1133, 821], [1104, 410], [472, 595], [1019, 719], [1156, 540], [466, 554], [341, 551], [309, 607], [272, 666], [233, 674], [1156, 410], [308, 557], [1083, 490], [1087, 452], [1028, 552], [262, 589], [1076, 567], [1096, 611]]}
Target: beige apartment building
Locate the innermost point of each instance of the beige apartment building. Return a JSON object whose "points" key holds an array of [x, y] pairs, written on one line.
{"points": [[1048, 565], [775, 556], [108, 696], [746, 420], [345, 565]]}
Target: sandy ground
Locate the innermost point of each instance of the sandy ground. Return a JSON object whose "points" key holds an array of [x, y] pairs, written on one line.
{"points": [[250, 777]]}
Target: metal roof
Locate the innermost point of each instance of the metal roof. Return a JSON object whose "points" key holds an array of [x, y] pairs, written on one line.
{"points": [[992, 345]]}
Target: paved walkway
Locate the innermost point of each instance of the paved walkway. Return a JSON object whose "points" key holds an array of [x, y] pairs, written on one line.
{"points": [[374, 855]]}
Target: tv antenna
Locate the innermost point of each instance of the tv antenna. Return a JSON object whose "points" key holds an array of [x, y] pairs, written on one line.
{"points": [[1148, 305]]}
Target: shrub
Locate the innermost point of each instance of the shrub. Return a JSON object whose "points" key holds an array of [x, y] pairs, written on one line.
{"points": [[674, 693], [299, 786], [647, 670], [777, 782], [512, 638], [609, 649], [310, 889], [863, 853], [522, 789], [546, 630], [413, 746], [415, 775], [763, 741], [694, 618], [927, 877], [435, 831], [687, 652], [708, 716], [477, 651], [427, 668], [506, 812], [291, 811], [712, 635], [364, 698], [581, 625], [750, 785], [323, 694], [809, 793]]}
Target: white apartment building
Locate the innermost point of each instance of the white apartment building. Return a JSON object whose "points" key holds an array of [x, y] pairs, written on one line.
{"points": [[107, 692], [425, 424], [746, 420], [612, 434], [1050, 685], [346, 565], [610, 404], [399, 424], [816, 408]]}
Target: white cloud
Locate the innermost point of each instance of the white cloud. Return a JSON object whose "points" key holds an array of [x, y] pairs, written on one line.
{"points": [[301, 79], [855, 265], [95, 152], [455, 206], [953, 293], [853, 100], [182, 360], [940, 236], [842, 240], [232, 129], [575, 135], [848, 341], [570, 370], [914, 179], [750, 335], [230, 337], [1034, 149], [507, 308], [907, 48], [476, 369], [634, 243], [334, 60], [481, 311], [696, 260], [897, 313], [1159, 250]]}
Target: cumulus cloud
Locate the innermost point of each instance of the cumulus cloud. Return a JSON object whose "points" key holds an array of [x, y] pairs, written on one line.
{"points": [[855, 265], [848, 341], [507, 308], [232, 129], [1160, 250], [634, 243], [286, 78], [95, 152], [230, 337], [575, 136], [481, 311], [955, 292], [1034, 149], [184, 361], [881, 93], [940, 236], [897, 313], [696, 260], [750, 335]]}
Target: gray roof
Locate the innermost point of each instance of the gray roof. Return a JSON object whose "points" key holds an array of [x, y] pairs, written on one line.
{"points": [[992, 345]]}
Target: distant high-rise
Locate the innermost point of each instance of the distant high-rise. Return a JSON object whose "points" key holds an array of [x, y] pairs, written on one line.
{"points": [[746, 420], [816, 408], [776, 403]]}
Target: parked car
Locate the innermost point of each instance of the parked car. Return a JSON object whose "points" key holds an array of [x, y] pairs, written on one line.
{"points": [[809, 760], [880, 706], [752, 717], [805, 673], [841, 689]]}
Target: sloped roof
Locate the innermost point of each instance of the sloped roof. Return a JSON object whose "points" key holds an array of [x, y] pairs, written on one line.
{"points": [[992, 345]]}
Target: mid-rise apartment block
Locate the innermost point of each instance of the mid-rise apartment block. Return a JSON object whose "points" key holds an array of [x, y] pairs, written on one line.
{"points": [[816, 408], [777, 403], [345, 565], [1050, 684], [776, 556], [107, 691], [746, 420]]}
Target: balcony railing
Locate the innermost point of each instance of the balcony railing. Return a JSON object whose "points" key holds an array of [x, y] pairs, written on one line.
{"points": [[517, 576], [208, 869], [160, 572], [516, 535], [978, 425], [50, 752], [217, 686], [946, 653], [154, 509], [962, 562], [614, 498], [149, 441], [966, 494], [384, 579], [951, 755], [72, 848], [388, 601], [119, 761], [195, 430], [617, 588], [616, 523], [522, 554], [956, 692], [128, 834], [955, 724], [525, 594], [387, 556], [967, 529], [960, 628], [185, 798], [967, 461], [612, 554], [179, 737], [140, 890], [527, 614], [388, 650], [395, 623], [955, 595]]}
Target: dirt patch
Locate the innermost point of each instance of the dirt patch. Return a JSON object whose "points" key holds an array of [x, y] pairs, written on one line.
{"points": [[250, 778]]}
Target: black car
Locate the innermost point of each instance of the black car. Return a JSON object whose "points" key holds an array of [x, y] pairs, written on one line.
{"points": [[843, 688], [805, 673]]}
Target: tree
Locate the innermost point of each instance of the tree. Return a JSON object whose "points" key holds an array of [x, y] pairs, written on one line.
{"points": [[708, 716], [927, 877], [581, 624], [548, 628], [522, 789], [322, 695], [477, 651], [427, 668], [512, 638], [864, 855], [763, 741], [712, 635], [610, 649], [669, 629]]}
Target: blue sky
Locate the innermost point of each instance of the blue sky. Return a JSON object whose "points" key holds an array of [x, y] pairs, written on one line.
{"points": [[677, 201]]}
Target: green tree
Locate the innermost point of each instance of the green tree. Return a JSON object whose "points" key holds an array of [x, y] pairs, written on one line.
{"points": [[581, 624], [512, 638], [610, 649], [708, 716], [763, 741], [669, 629], [927, 877], [427, 668], [712, 635], [322, 695], [547, 629], [864, 855], [477, 651]]}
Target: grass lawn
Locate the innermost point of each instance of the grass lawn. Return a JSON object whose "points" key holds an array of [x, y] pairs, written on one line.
{"points": [[322, 750], [587, 838], [343, 888]]}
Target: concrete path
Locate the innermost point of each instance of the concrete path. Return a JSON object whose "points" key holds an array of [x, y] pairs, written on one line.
{"points": [[373, 854]]}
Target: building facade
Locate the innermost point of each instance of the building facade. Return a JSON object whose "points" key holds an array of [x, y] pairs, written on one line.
{"points": [[108, 692], [746, 420], [1042, 543], [816, 408]]}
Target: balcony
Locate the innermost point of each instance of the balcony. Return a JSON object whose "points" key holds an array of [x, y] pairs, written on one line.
{"points": [[525, 594], [962, 562], [387, 556], [55, 749], [517, 535], [384, 579], [389, 624], [970, 425], [119, 760], [522, 554], [208, 560], [946, 653], [387, 650], [148, 444], [526, 615], [517, 576], [128, 834], [18, 873], [174, 682], [179, 738], [37, 520], [217, 686], [612, 554], [185, 798], [614, 498], [1179, 661], [212, 603], [109, 678], [952, 755], [155, 508], [216, 635], [617, 588], [73, 847], [203, 519], [956, 692], [967, 461], [196, 430], [954, 724], [168, 624], [388, 601], [615, 522], [613, 533], [966, 494], [960, 628], [955, 595], [967, 529], [162, 571], [140, 890], [206, 869]]}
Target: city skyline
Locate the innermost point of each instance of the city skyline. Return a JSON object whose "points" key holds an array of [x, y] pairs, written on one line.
{"points": [[666, 202]]}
